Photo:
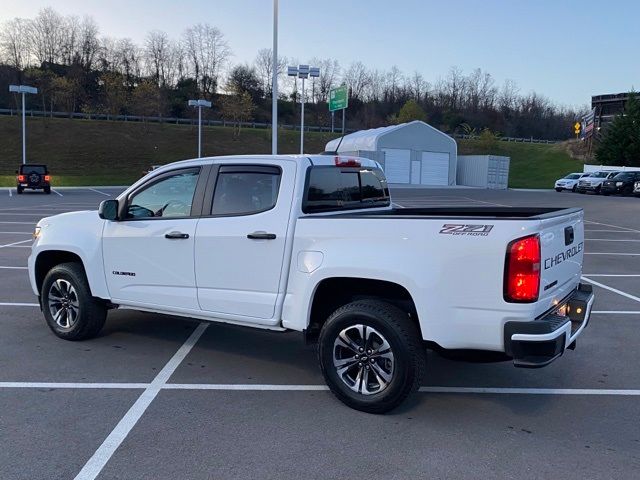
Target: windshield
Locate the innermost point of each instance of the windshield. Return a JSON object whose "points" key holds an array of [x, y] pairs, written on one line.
{"points": [[573, 176], [599, 174], [624, 176]]}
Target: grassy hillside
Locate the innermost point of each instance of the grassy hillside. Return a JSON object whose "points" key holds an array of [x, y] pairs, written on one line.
{"points": [[85, 152], [81, 152], [532, 165]]}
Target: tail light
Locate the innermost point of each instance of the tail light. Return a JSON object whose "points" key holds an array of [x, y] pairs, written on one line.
{"points": [[47, 178], [522, 270], [21, 178]]}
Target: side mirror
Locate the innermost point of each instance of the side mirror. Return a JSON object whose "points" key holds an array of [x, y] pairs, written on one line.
{"points": [[108, 210]]}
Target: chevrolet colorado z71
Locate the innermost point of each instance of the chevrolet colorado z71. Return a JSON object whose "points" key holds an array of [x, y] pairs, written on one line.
{"points": [[314, 244]]}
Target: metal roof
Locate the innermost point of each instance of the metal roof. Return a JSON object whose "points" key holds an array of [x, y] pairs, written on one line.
{"points": [[367, 140]]}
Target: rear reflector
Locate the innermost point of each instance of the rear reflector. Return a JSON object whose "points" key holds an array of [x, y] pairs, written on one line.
{"points": [[47, 178], [522, 270], [346, 162], [21, 178]]}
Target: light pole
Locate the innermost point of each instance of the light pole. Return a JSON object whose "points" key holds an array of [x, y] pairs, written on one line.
{"points": [[303, 72], [274, 83], [199, 104], [23, 89]]}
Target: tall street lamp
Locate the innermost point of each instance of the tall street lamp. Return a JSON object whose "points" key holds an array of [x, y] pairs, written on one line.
{"points": [[303, 72], [199, 104], [274, 83], [23, 89]]}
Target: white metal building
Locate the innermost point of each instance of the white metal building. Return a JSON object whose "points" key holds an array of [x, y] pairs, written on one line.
{"points": [[485, 171], [410, 153]]}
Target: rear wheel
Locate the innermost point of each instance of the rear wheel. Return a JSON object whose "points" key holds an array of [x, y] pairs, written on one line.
{"points": [[69, 309], [371, 355], [19, 190], [47, 190]]}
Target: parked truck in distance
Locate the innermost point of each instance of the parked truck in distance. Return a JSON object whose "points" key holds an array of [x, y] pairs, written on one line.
{"points": [[314, 244]]}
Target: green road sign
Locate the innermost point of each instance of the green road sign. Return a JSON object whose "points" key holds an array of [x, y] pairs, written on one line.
{"points": [[338, 98]]}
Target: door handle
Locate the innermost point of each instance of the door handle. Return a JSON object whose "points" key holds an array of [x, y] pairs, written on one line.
{"points": [[176, 235], [261, 236]]}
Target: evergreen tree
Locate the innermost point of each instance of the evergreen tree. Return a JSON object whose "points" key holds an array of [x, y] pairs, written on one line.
{"points": [[620, 144]]}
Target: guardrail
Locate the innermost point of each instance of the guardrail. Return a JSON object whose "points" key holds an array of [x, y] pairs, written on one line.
{"points": [[506, 139], [156, 119]]}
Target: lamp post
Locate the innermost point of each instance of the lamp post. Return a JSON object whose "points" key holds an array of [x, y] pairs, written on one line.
{"points": [[199, 104], [303, 72], [274, 83], [23, 89]]}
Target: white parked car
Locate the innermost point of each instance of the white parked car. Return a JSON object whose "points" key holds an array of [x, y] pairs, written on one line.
{"points": [[313, 244], [570, 182], [593, 182]]}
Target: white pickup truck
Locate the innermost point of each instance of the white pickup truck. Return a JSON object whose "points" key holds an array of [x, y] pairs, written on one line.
{"points": [[314, 244]]}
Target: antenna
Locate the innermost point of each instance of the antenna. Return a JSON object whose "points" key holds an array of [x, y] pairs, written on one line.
{"points": [[335, 152]]}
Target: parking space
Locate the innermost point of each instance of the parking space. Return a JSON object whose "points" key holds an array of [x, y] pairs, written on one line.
{"points": [[162, 397]]}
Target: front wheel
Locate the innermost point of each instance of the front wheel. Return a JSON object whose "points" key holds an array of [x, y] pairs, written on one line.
{"points": [[371, 355], [574, 189], [558, 189], [70, 310]]}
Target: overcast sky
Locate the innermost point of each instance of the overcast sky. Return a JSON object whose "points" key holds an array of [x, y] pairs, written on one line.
{"points": [[566, 50]]}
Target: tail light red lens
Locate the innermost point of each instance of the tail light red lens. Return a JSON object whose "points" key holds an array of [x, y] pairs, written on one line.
{"points": [[522, 270], [346, 162], [21, 178], [47, 178]]}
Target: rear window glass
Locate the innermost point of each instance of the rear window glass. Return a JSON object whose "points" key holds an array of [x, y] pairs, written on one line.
{"points": [[624, 176], [333, 189], [39, 169]]}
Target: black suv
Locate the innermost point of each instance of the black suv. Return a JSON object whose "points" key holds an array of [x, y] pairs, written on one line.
{"points": [[34, 177], [622, 183]]}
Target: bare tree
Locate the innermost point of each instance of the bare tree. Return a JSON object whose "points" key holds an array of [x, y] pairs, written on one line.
{"points": [[207, 51], [357, 78], [329, 71], [14, 42], [46, 34], [88, 42], [264, 68], [418, 87], [157, 51]]}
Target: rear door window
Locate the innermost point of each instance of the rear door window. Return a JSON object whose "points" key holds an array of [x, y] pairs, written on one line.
{"points": [[333, 189], [246, 190]]}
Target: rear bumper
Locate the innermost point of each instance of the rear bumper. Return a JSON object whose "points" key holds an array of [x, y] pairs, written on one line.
{"points": [[539, 342]]}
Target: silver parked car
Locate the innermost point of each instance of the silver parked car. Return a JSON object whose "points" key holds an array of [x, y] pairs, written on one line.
{"points": [[593, 182]]}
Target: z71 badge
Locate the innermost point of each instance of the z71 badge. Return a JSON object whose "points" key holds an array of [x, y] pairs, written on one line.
{"points": [[472, 230]]}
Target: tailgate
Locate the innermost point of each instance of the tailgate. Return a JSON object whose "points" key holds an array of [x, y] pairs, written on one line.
{"points": [[562, 248]]}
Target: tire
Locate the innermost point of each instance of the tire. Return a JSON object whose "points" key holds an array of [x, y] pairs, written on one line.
{"points": [[90, 313], [19, 190], [574, 189], [47, 190], [597, 190], [401, 368], [582, 191], [558, 189]]}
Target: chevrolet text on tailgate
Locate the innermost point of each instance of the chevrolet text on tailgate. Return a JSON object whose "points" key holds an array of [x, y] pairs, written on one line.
{"points": [[313, 244]]}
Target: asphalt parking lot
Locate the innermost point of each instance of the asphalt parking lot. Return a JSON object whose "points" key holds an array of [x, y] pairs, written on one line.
{"points": [[158, 397]]}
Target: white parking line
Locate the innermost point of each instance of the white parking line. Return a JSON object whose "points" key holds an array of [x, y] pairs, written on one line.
{"points": [[611, 289], [3, 304], [98, 191], [100, 458], [13, 268], [90, 473], [19, 223], [611, 275], [10, 194], [613, 254], [614, 226], [100, 386], [17, 233], [608, 231], [57, 192], [615, 312], [488, 203], [609, 240], [17, 244]]}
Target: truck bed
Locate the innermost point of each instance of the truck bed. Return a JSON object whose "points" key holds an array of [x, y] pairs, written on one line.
{"points": [[505, 213]]}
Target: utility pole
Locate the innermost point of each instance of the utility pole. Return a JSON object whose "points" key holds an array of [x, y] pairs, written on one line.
{"points": [[274, 83]]}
